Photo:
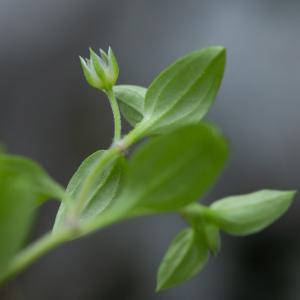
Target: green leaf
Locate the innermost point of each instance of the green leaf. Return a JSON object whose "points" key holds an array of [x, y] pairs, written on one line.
{"points": [[13, 166], [185, 258], [173, 170], [131, 101], [250, 213], [183, 93], [23, 185], [100, 195]]}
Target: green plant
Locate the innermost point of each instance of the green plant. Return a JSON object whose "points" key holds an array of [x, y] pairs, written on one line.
{"points": [[175, 165]]}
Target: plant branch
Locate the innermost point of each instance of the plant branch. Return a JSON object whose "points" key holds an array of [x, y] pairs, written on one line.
{"points": [[51, 240], [33, 252]]}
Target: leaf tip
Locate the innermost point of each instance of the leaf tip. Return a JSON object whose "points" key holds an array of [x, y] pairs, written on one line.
{"points": [[291, 194], [161, 285], [158, 288], [219, 49]]}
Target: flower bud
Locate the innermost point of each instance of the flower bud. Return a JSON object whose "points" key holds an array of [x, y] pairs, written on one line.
{"points": [[101, 72]]}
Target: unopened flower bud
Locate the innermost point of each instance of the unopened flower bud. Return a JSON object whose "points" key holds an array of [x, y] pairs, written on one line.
{"points": [[102, 71]]}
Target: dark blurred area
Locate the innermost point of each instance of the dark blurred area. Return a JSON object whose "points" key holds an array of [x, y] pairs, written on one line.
{"points": [[49, 113]]}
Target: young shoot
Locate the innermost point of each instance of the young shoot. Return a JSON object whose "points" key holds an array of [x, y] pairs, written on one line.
{"points": [[178, 159]]}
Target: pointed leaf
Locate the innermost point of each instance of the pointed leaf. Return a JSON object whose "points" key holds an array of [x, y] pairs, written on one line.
{"points": [[100, 195], [246, 214], [183, 93], [185, 258]]}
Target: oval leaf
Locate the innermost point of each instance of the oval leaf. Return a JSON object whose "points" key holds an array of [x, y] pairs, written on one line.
{"points": [[183, 93], [173, 170], [100, 195], [246, 214], [185, 257], [131, 101], [23, 185]]}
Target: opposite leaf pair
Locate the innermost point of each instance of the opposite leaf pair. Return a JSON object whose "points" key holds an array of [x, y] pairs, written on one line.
{"points": [[165, 174], [236, 215], [170, 172], [93, 189], [180, 95]]}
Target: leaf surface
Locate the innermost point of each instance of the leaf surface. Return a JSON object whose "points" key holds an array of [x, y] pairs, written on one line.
{"points": [[99, 197], [250, 213], [131, 101], [183, 93], [173, 170], [185, 257], [23, 185]]}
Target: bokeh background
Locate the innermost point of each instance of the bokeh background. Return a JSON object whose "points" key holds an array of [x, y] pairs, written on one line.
{"points": [[48, 113]]}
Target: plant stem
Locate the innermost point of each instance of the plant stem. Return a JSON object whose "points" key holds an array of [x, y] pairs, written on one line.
{"points": [[52, 240], [33, 252], [116, 113], [197, 209], [109, 155]]}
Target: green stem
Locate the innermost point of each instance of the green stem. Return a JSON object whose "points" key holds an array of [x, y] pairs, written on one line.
{"points": [[33, 252], [197, 209], [109, 155], [116, 113], [52, 240]]}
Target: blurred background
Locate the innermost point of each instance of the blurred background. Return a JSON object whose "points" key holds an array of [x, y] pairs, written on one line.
{"points": [[49, 113]]}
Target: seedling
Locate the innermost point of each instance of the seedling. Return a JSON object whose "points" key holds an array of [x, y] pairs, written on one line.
{"points": [[177, 161]]}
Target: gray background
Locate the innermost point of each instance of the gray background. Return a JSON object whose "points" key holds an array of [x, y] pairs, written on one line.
{"points": [[48, 112]]}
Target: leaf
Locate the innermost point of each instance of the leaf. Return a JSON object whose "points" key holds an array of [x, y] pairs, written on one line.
{"points": [[23, 185], [185, 257], [183, 93], [172, 170], [13, 166], [16, 213], [100, 195], [131, 101], [250, 213]]}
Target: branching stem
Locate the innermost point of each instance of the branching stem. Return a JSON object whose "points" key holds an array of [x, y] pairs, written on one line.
{"points": [[52, 240]]}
